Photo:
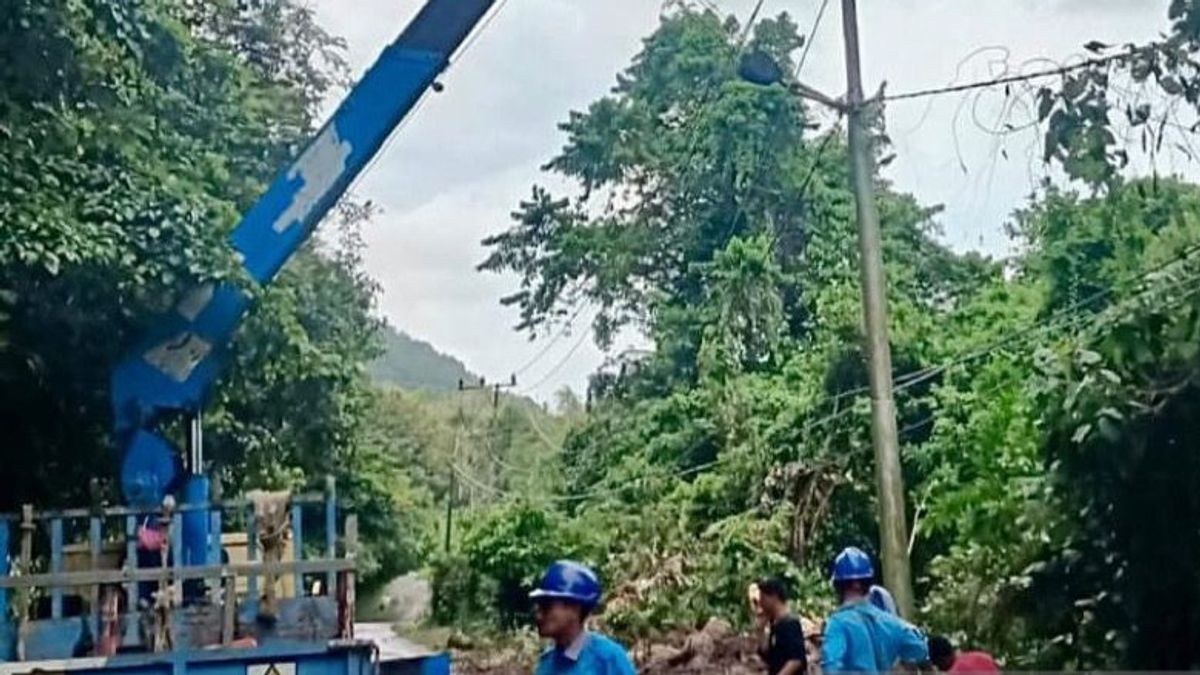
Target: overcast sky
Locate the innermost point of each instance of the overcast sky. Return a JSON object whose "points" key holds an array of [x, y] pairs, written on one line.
{"points": [[460, 165]]}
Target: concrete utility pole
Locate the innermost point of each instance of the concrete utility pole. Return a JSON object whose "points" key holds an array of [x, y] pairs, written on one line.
{"points": [[460, 422], [450, 504], [893, 528], [452, 492], [761, 69]]}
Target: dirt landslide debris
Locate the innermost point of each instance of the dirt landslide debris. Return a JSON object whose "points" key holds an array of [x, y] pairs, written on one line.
{"points": [[715, 649]]}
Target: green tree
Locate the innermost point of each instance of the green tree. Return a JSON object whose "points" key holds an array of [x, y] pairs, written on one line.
{"points": [[1088, 117], [711, 220], [132, 135], [1042, 406], [1117, 396]]}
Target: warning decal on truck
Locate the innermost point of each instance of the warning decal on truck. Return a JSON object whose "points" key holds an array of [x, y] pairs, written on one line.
{"points": [[272, 669]]}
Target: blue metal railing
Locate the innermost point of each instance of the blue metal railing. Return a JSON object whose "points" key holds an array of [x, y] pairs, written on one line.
{"points": [[77, 548]]}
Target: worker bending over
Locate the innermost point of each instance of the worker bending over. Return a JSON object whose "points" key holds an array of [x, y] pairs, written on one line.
{"points": [[860, 637], [948, 659], [565, 597]]}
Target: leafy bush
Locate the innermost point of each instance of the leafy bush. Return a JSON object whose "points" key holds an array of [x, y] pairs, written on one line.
{"points": [[457, 590], [504, 551]]}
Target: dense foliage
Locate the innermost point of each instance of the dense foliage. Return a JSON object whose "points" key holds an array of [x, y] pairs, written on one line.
{"points": [[132, 134], [753, 306], [1043, 401]]}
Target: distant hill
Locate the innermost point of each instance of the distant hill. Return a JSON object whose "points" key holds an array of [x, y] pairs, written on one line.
{"points": [[414, 364]]}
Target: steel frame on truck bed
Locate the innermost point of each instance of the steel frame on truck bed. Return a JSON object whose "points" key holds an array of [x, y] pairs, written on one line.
{"points": [[91, 613]]}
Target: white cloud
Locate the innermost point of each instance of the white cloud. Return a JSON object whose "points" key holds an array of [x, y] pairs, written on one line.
{"points": [[462, 163]]}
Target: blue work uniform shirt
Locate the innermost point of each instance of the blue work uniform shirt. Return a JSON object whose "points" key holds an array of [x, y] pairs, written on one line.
{"points": [[860, 637], [590, 654]]}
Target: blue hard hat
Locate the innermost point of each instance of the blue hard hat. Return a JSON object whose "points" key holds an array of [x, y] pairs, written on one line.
{"points": [[569, 580], [852, 564]]}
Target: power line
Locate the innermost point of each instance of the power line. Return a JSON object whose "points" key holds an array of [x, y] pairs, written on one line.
{"points": [[600, 492], [812, 170], [475, 482], [1079, 306], [509, 467], [558, 366], [962, 360], [833, 417], [1172, 286], [912, 379], [816, 163], [750, 25], [1061, 317], [553, 340], [550, 445], [828, 419], [812, 33], [1010, 79], [387, 143], [699, 468], [523, 471]]}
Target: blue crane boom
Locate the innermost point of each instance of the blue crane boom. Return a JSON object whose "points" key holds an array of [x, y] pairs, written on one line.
{"points": [[174, 366]]}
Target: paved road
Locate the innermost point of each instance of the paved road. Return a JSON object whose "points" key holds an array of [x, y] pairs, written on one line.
{"points": [[391, 646], [404, 600]]}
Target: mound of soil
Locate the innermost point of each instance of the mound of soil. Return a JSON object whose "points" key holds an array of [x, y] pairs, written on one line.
{"points": [[715, 649]]}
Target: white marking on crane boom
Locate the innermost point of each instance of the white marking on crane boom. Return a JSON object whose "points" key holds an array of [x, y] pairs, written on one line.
{"points": [[320, 166], [178, 357]]}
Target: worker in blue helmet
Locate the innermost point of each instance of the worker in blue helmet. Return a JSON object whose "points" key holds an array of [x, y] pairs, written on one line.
{"points": [[565, 597], [859, 636]]}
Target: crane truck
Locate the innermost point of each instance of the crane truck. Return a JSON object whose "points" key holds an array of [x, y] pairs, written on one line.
{"points": [[161, 585]]}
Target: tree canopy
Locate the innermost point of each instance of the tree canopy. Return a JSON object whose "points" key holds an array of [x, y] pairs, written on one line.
{"points": [[132, 135], [1040, 398], [1045, 401]]}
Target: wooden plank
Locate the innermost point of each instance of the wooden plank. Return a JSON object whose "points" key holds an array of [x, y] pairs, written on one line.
{"points": [[122, 511], [348, 602], [351, 536], [318, 566], [177, 554], [229, 616], [27, 528]]}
